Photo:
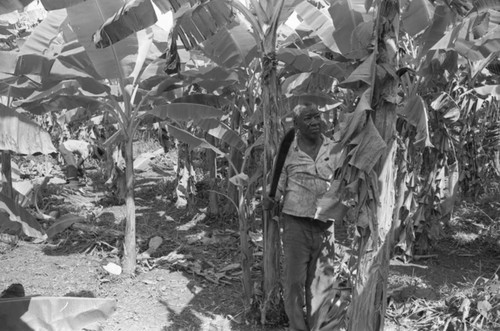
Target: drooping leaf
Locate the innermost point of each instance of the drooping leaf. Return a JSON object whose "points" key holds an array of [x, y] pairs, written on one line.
{"points": [[63, 223], [415, 112], [221, 131], [192, 140], [355, 121], [185, 112], [17, 220], [368, 149], [361, 77], [21, 135], [61, 313], [417, 16], [134, 16]]}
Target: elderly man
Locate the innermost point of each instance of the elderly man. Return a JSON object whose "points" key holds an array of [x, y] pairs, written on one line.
{"points": [[305, 178]]}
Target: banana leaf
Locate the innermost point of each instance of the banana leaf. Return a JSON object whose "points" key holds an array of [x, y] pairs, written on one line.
{"points": [[230, 47], [62, 224], [221, 131], [21, 135], [18, 221], [134, 16], [417, 16], [319, 22], [185, 112], [415, 112], [345, 20], [54, 313], [192, 140]]}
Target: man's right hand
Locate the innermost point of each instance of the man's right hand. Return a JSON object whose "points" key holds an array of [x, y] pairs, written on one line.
{"points": [[268, 203]]}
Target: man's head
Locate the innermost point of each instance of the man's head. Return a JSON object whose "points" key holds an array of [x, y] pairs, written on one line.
{"points": [[307, 120]]}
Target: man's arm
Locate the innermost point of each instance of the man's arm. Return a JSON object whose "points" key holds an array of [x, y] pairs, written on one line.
{"points": [[270, 201]]}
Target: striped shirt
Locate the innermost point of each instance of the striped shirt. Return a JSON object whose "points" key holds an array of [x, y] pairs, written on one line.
{"points": [[303, 180]]}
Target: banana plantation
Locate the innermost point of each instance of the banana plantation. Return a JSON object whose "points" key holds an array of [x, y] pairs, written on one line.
{"points": [[183, 106]]}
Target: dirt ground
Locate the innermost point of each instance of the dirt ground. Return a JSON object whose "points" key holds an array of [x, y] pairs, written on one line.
{"points": [[192, 281]]}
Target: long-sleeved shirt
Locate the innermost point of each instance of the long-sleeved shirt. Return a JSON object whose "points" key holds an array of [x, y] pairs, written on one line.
{"points": [[303, 180]]}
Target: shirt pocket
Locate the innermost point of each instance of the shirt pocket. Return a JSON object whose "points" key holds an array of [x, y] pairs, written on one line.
{"points": [[324, 169]]}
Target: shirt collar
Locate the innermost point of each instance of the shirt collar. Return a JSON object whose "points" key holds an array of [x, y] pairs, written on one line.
{"points": [[326, 141]]}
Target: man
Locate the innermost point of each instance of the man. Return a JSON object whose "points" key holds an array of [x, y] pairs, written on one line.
{"points": [[81, 149], [305, 178]]}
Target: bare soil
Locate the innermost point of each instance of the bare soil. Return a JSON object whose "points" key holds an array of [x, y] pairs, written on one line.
{"points": [[192, 281]]}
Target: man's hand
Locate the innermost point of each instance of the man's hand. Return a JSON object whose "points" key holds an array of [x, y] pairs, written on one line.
{"points": [[268, 203]]}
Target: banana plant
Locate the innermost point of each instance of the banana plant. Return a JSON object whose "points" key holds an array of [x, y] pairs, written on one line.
{"points": [[375, 110], [265, 18], [72, 71]]}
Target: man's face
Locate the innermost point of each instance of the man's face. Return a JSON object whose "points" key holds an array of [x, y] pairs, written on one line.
{"points": [[309, 123]]}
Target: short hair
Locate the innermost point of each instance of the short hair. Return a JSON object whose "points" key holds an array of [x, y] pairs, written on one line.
{"points": [[301, 107]]}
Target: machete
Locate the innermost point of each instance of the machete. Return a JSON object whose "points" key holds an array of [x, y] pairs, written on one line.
{"points": [[280, 160]]}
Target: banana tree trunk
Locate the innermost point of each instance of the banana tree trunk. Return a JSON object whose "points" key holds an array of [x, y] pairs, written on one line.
{"points": [[7, 175], [237, 159], [129, 251], [272, 127], [213, 203], [246, 254], [401, 190], [368, 306]]}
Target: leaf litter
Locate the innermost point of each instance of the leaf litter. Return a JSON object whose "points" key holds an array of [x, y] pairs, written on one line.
{"points": [[210, 254]]}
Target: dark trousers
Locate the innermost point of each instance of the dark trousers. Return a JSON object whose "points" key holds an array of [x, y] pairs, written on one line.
{"points": [[303, 240]]}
